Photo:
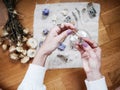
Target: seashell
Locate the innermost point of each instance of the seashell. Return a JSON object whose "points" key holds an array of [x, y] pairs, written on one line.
{"points": [[31, 53], [32, 43], [25, 59]]}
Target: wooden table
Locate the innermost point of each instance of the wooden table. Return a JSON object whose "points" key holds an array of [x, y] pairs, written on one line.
{"points": [[11, 74]]}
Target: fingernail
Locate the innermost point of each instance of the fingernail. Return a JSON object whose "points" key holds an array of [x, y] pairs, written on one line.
{"points": [[69, 32], [84, 44]]}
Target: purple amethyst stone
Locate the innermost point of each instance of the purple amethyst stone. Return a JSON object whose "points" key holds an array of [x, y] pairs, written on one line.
{"points": [[61, 47], [45, 12]]}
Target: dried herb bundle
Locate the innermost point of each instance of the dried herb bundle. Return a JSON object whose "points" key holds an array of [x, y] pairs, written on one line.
{"points": [[13, 27], [15, 38]]}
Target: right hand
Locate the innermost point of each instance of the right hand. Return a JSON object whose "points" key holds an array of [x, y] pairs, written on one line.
{"points": [[91, 55]]}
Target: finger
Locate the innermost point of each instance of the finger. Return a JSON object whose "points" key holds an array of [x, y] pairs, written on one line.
{"points": [[56, 29], [98, 52], [85, 56], [79, 49], [86, 65], [92, 43], [88, 49], [63, 35], [66, 26], [86, 46]]}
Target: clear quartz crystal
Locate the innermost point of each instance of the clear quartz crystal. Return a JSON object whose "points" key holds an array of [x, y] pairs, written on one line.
{"points": [[74, 38]]}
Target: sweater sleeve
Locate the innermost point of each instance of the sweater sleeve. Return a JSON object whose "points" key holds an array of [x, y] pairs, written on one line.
{"points": [[96, 85], [33, 79]]}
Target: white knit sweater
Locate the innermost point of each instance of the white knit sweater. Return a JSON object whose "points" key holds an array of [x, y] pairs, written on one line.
{"points": [[34, 78]]}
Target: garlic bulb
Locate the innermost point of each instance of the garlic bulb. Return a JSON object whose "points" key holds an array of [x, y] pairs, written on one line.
{"points": [[25, 59], [32, 43], [12, 49], [14, 56], [31, 53], [4, 47]]}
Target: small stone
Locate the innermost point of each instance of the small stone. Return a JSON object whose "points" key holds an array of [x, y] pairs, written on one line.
{"points": [[61, 47], [26, 31], [40, 44], [45, 31], [45, 12]]}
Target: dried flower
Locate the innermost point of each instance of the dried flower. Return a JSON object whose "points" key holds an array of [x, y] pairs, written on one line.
{"points": [[19, 49], [25, 59], [31, 53], [12, 49], [32, 43], [14, 56], [4, 47]]}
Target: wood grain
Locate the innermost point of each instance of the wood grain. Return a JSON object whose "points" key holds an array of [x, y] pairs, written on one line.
{"points": [[11, 74]]}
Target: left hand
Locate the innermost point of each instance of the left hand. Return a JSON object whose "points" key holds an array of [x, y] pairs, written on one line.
{"points": [[52, 41], [55, 37]]}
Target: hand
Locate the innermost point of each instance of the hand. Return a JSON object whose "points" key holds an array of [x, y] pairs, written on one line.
{"points": [[52, 41], [91, 55]]}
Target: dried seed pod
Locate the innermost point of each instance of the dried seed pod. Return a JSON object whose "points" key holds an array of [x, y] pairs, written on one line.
{"points": [[32, 43], [14, 56], [25, 59], [12, 49], [19, 49], [31, 53], [4, 47]]}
